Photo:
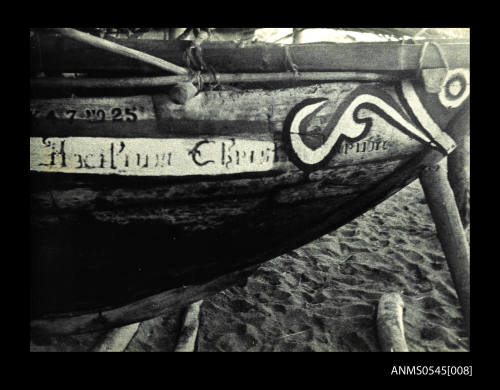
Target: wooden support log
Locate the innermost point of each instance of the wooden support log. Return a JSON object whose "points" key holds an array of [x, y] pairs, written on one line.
{"points": [[459, 166], [117, 339], [121, 50], [450, 232], [180, 93], [189, 331], [390, 327]]}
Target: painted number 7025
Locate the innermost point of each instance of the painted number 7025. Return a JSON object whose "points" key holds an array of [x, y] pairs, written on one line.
{"points": [[115, 114]]}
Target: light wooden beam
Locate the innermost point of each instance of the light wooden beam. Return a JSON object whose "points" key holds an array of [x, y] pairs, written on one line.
{"points": [[117, 339]]}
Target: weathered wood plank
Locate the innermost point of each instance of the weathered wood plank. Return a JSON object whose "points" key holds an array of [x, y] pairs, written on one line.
{"points": [[286, 187]]}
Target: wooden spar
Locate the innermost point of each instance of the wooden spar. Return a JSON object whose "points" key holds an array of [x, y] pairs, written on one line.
{"points": [[182, 92], [117, 339], [121, 50], [53, 53], [222, 78], [450, 232], [189, 331], [390, 327]]}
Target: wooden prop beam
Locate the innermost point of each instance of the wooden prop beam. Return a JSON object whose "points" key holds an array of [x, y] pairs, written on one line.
{"points": [[140, 310], [117, 339], [459, 167], [121, 50], [189, 331], [450, 232], [390, 327]]}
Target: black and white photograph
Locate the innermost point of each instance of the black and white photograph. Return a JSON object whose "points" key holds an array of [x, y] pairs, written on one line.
{"points": [[250, 190]]}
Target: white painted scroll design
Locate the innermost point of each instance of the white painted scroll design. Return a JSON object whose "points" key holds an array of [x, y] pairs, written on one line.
{"points": [[349, 125], [150, 157], [421, 114]]}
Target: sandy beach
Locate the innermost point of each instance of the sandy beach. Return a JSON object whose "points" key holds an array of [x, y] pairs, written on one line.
{"points": [[323, 296]]}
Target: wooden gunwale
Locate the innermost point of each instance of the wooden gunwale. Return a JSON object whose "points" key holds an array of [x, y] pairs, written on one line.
{"points": [[54, 53]]}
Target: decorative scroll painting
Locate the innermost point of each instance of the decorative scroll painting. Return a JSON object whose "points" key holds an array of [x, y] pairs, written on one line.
{"points": [[311, 147]]}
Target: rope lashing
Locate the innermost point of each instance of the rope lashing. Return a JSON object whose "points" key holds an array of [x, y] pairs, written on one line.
{"points": [[196, 64], [193, 54], [198, 80], [192, 57], [289, 61], [215, 80]]}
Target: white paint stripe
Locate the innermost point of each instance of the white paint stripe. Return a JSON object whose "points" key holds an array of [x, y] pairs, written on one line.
{"points": [[150, 157], [424, 118], [418, 109]]}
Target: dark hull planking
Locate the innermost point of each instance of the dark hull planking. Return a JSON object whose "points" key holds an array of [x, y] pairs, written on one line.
{"points": [[101, 241]]}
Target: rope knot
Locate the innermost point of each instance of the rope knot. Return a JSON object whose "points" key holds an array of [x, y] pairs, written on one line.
{"points": [[289, 61]]}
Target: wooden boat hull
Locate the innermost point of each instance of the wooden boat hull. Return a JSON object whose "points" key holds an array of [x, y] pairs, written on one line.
{"points": [[120, 228]]}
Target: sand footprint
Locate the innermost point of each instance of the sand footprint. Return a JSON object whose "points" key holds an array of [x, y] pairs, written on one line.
{"points": [[358, 309]]}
